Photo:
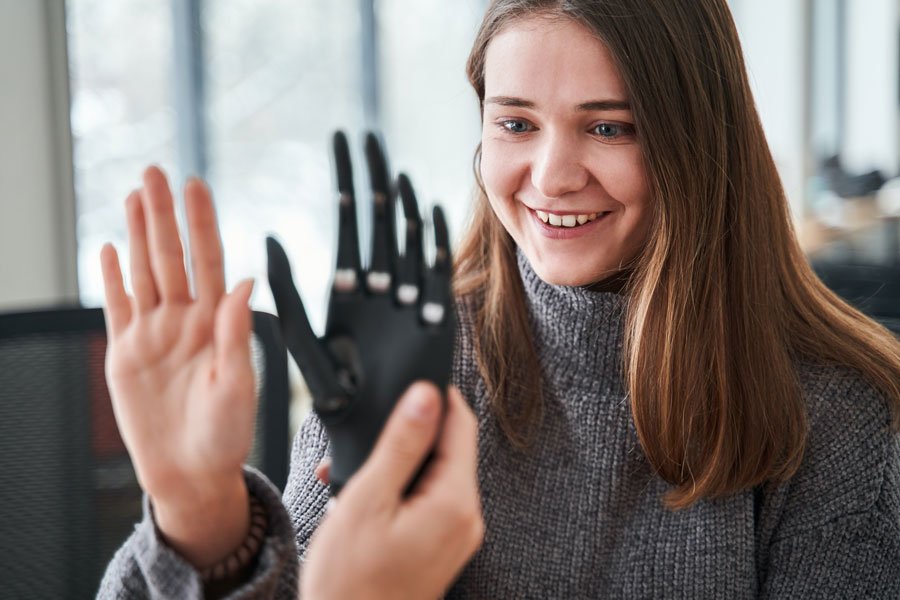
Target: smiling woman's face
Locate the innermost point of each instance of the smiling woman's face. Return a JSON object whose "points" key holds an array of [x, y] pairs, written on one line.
{"points": [[560, 161]]}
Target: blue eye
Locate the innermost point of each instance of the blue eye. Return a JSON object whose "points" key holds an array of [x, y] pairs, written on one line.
{"points": [[613, 132], [515, 126], [608, 130]]}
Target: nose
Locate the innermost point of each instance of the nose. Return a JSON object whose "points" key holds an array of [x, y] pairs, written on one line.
{"points": [[557, 168]]}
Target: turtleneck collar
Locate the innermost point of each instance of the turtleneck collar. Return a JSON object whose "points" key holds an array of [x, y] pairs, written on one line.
{"points": [[578, 330]]}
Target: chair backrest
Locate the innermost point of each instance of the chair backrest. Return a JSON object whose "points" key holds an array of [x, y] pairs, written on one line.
{"points": [[68, 493]]}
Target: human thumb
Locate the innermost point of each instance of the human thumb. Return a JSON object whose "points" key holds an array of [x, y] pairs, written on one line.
{"points": [[404, 443]]}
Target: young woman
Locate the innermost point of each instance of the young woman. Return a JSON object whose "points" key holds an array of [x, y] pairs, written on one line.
{"points": [[669, 402]]}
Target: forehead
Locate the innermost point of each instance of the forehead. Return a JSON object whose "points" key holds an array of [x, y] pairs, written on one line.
{"points": [[551, 59]]}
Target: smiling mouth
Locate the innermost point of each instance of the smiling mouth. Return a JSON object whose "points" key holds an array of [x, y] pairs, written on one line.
{"points": [[568, 221]]}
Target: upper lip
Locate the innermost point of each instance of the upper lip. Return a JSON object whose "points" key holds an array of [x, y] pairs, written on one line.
{"points": [[563, 213]]}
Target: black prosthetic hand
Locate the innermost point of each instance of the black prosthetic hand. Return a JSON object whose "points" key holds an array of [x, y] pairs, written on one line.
{"points": [[388, 325]]}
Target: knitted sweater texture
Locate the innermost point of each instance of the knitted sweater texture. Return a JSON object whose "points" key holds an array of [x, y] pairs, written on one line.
{"points": [[580, 515]]}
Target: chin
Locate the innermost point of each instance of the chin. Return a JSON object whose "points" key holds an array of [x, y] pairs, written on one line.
{"points": [[563, 274]]}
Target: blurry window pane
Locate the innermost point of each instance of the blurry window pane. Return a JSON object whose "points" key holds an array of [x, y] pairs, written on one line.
{"points": [[429, 111], [122, 117], [279, 78]]}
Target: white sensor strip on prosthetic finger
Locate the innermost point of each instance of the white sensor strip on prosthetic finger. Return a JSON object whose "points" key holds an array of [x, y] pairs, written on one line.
{"points": [[378, 282], [433, 313], [345, 280], [408, 294]]}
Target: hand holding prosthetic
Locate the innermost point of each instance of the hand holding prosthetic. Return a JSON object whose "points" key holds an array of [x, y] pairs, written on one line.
{"points": [[387, 326]]}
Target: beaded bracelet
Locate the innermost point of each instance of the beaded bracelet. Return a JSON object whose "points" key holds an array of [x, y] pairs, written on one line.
{"points": [[241, 557]]}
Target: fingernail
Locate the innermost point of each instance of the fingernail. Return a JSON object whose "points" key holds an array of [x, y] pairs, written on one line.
{"points": [[418, 406], [329, 506]]}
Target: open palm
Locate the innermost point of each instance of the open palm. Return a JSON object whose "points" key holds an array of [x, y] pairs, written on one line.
{"points": [[178, 366]]}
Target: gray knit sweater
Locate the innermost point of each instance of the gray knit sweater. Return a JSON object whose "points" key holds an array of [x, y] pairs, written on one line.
{"points": [[581, 516]]}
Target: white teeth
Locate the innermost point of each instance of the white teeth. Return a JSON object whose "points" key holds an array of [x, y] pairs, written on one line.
{"points": [[566, 220]]}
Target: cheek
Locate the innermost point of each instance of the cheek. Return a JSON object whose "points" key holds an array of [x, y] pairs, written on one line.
{"points": [[497, 173], [625, 179], [640, 200], [639, 214], [494, 173]]}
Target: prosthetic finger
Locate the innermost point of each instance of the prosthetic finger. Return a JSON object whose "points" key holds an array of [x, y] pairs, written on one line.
{"points": [[379, 278], [437, 300], [409, 266], [348, 271], [317, 367]]}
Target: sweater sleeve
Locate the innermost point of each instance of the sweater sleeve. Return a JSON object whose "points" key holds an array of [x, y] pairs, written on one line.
{"points": [[836, 530], [146, 567], [305, 496]]}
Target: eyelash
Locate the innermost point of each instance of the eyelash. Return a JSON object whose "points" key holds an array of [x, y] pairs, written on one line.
{"points": [[624, 129]]}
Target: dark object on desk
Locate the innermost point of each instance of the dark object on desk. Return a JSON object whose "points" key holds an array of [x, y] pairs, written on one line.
{"points": [[847, 185], [67, 488], [873, 289]]}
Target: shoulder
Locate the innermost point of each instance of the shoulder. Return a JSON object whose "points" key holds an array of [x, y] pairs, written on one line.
{"points": [[851, 462]]}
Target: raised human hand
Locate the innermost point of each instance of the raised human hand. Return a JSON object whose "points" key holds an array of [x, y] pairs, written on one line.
{"points": [[388, 325], [179, 370]]}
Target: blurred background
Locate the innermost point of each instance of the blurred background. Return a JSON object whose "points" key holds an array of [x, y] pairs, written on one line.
{"points": [[246, 93]]}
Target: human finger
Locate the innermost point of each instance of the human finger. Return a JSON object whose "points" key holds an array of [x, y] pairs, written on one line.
{"points": [[323, 471], [449, 486], [117, 310], [456, 451], [205, 242], [146, 296], [409, 266], [379, 278], [233, 325], [348, 272], [166, 251], [400, 450]]}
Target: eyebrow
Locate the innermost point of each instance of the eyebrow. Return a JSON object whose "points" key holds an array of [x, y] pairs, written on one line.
{"points": [[593, 105]]}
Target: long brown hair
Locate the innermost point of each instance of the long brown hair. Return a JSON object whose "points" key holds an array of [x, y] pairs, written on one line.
{"points": [[722, 412]]}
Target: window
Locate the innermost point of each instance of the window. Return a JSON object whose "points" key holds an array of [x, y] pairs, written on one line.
{"points": [[122, 117], [275, 80]]}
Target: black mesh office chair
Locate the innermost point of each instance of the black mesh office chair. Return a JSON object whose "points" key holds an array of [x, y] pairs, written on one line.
{"points": [[68, 494]]}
